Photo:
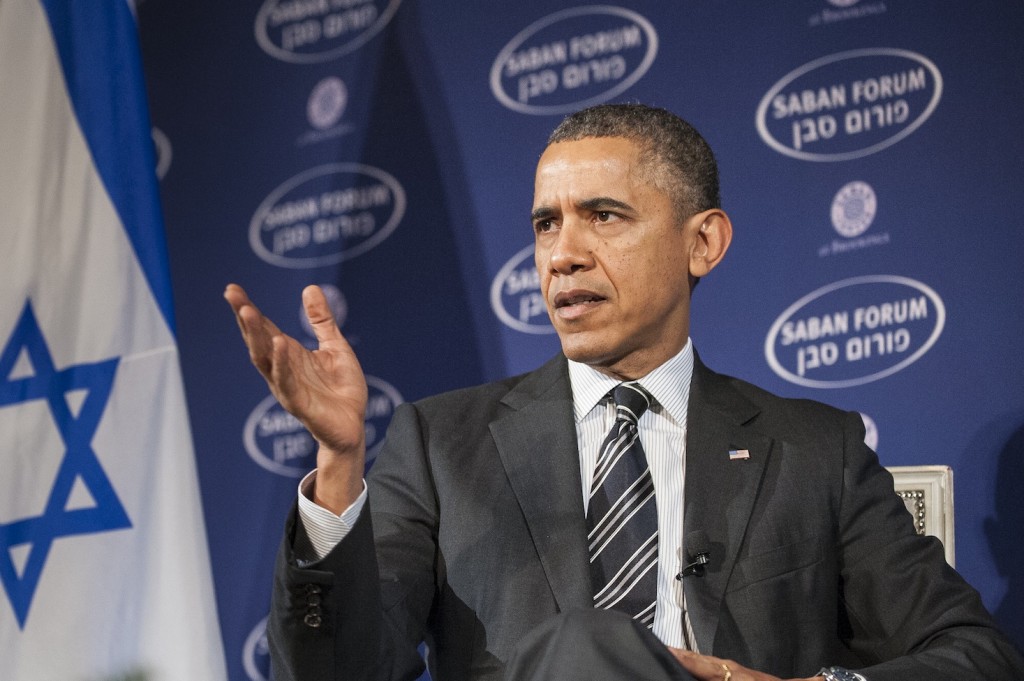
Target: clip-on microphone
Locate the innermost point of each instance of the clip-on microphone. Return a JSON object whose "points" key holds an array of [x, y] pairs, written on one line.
{"points": [[699, 549]]}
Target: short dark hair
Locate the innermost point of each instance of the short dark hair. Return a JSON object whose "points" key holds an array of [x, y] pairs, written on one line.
{"points": [[683, 164]]}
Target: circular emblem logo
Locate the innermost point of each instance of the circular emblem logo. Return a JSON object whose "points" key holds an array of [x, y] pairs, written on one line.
{"points": [[850, 104], [335, 301], [256, 653], [853, 209], [516, 298], [855, 331], [311, 31], [327, 103], [326, 215], [279, 443], [572, 59]]}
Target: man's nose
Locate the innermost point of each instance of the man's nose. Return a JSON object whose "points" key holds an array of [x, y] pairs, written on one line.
{"points": [[572, 250]]}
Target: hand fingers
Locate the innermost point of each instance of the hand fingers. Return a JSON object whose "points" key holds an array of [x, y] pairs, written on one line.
{"points": [[237, 298], [258, 331], [708, 668], [279, 372], [319, 314]]}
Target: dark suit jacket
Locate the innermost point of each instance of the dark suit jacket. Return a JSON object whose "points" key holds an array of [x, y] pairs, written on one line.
{"points": [[477, 521]]}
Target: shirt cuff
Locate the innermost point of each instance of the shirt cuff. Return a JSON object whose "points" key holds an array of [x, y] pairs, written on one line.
{"points": [[325, 529]]}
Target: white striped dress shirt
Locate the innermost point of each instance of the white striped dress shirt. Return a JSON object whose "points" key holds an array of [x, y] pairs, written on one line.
{"points": [[663, 435]]}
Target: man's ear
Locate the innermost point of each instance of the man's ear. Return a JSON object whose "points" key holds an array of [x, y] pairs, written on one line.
{"points": [[711, 238]]}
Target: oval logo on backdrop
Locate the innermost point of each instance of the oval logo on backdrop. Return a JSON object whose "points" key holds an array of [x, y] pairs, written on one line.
{"points": [[311, 31], [855, 331], [849, 105], [279, 443], [381, 401], [326, 215], [164, 152], [516, 298], [256, 653], [572, 59]]}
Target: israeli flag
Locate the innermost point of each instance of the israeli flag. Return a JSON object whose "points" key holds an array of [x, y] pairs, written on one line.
{"points": [[104, 564]]}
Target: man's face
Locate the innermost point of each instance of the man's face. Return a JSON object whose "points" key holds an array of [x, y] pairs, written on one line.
{"points": [[613, 256]]}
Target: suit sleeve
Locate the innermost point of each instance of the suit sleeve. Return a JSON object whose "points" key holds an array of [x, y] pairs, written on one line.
{"points": [[361, 611], [902, 602]]}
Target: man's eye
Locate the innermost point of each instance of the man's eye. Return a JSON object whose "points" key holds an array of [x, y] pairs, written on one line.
{"points": [[542, 225], [604, 216]]}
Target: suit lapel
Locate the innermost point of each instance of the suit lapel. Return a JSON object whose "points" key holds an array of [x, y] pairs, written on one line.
{"points": [[720, 491], [536, 440]]}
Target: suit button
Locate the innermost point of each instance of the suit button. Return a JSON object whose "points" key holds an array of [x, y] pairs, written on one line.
{"points": [[314, 615]]}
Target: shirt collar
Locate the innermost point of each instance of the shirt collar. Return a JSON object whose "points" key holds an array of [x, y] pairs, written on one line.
{"points": [[669, 384]]}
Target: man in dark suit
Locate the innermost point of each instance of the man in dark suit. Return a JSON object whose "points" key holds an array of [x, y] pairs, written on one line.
{"points": [[780, 546]]}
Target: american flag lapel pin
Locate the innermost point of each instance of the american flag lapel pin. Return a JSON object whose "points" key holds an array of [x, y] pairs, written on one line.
{"points": [[737, 454]]}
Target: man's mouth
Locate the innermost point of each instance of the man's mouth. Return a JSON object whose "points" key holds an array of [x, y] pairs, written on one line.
{"points": [[576, 301]]}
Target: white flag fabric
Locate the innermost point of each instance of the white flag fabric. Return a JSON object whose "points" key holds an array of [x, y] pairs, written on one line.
{"points": [[104, 563]]}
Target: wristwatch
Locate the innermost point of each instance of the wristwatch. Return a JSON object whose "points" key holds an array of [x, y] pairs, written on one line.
{"points": [[840, 674]]}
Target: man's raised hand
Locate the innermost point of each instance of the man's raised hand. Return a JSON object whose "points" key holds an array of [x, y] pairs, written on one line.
{"points": [[324, 389]]}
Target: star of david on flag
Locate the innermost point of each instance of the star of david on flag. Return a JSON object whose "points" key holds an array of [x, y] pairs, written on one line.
{"points": [[104, 566], [78, 465]]}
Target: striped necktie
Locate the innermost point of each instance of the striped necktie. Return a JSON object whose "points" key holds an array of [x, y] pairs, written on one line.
{"points": [[622, 516]]}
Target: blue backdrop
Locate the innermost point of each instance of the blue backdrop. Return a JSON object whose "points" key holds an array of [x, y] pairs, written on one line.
{"points": [[871, 162]]}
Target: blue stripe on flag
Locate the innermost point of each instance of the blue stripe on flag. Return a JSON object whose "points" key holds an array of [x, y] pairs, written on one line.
{"points": [[99, 54]]}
